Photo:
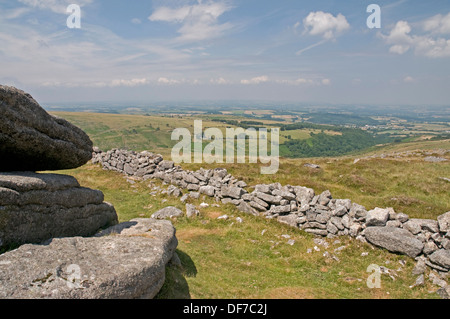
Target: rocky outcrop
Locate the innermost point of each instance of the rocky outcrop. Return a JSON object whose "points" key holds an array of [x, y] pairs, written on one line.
{"points": [[125, 261], [36, 207], [33, 140], [297, 206], [52, 217]]}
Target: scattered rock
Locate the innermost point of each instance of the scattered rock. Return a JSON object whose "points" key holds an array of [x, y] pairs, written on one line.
{"points": [[311, 165], [167, 212], [191, 211]]}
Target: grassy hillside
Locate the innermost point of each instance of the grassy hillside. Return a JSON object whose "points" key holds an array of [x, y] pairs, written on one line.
{"points": [[228, 259], [252, 259]]}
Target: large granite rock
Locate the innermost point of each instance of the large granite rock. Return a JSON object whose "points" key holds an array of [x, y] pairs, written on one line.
{"points": [[36, 207], [33, 140], [394, 239], [123, 262]]}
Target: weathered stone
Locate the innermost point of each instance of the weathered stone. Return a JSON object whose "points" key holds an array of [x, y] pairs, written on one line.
{"points": [[291, 220], [128, 263], [395, 240], [337, 222], [315, 225], [167, 212], [346, 203], [444, 292], [228, 200], [420, 267], [441, 258], [262, 188], [283, 193], [323, 217], [416, 225], [429, 248], [377, 217], [36, 207], [193, 187], [257, 206], [444, 222], [304, 195], [393, 223], [402, 218], [207, 190], [331, 228], [269, 198], [280, 209], [358, 211], [33, 140], [188, 178], [310, 165], [355, 229], [165, 165], [345, 220], [246, 208], [191, 211], [340, 211], [233, 192], [320, 232], [324, 198]]}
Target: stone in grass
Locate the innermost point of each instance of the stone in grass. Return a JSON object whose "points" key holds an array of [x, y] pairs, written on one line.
{"points": [[167, 212], [191, 211]]}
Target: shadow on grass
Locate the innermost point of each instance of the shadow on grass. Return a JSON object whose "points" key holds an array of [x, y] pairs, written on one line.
{"points": [[175, 285]]}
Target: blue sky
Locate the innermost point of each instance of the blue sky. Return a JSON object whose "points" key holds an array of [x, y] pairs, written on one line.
{"points": [[287, 50]]}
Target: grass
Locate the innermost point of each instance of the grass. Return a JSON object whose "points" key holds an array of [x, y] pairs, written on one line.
{"points": [[227, 259]]}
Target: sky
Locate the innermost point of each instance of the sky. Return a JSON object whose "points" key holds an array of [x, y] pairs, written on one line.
{"points": [[287, 50]]}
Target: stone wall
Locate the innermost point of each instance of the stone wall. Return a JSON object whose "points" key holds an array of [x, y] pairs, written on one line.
{"points": [[298, 206]]}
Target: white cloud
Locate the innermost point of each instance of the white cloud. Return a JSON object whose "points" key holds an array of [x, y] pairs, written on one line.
{"points": [[57, 6], [325, 24], [305, 81], [129, 83], [15, 13], [402, 40], [220, 81], [256, 80], [136, 21], [408, 79], [438, 24], [163, 80], [198, 22]]}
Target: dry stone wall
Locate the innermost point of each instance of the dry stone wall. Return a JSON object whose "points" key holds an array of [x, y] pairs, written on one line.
{"points": [[297, 206]]}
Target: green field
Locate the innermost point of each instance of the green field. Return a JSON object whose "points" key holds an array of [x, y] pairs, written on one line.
{"points": [[227, 259]]}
